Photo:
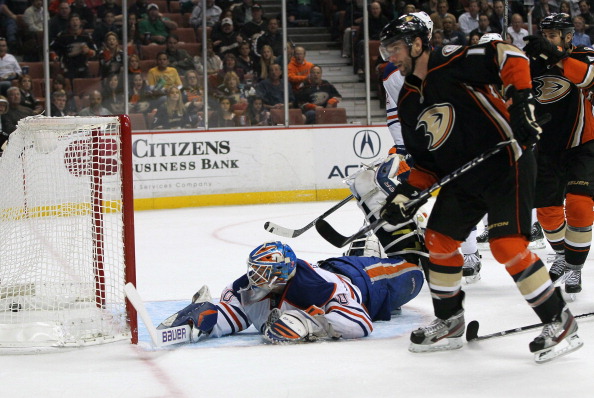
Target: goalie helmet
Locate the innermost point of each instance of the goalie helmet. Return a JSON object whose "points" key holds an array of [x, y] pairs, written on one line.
{"points": [[487, 37], [559, 21], [271, 263], [406, 28]]}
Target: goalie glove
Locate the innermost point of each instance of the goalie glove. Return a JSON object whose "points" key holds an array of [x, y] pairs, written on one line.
{"points": [[394, 211], [295, 326], [539, 47], [521, 114]]}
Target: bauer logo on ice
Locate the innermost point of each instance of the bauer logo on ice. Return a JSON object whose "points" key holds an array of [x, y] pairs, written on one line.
{"points": [[367, 144], [173, 334]]}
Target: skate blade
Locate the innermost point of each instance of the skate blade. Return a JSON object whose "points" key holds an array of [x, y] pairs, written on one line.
{"points": [[472, 279], [572, 343], [537, 244], [569, 297], [446, 344]]}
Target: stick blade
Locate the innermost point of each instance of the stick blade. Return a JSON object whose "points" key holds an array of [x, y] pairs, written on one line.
{"points": [[330, 234], [472, 331]]}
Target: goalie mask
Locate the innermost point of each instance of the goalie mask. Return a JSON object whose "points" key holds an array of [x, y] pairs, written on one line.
{"points": [[270, 264]]}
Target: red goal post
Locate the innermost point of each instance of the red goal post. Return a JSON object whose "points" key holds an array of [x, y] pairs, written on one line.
{"points": [[66, 233]]}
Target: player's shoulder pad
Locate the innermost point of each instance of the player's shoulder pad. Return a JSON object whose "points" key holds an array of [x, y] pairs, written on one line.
{"points": [[389, 69], [583, 53]]}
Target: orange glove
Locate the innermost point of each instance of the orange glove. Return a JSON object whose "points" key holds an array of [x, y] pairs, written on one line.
{"points": [[332, 102], [309, 106]]}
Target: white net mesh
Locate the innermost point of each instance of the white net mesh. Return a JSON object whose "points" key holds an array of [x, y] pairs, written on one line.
{"points": [[62, 268]]}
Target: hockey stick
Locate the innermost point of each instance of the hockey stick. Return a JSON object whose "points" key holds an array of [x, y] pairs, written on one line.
{"points": [[335, 238], [473, 327], [159, 337], [293, 233]]}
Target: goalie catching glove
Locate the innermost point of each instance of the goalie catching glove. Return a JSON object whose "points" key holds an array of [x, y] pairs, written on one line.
{"points": [[521, 114], [294, 326]]}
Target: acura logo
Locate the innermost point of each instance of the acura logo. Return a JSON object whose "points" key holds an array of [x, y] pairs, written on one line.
{"points": [[367, 144]]}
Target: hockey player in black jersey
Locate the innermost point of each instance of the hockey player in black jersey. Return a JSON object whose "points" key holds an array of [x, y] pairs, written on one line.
{"points": [[451, 112], [562, 76]]}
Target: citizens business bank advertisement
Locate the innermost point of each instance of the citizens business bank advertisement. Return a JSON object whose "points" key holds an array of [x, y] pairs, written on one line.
{"points": [[188, 163]]}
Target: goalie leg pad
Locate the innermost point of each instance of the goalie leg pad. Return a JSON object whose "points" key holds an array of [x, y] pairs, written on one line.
{"points": [[201, 316]]}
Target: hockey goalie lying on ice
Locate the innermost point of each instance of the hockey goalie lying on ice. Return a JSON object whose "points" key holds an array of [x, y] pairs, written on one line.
{"points": [[289, 300]]}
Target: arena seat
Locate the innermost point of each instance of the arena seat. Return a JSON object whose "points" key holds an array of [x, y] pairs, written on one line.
{"points": [[277, 116], [331, 116]]}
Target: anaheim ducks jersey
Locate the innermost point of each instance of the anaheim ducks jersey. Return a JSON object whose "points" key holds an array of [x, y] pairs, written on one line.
{"points": [[457, 112], [564, 93]]}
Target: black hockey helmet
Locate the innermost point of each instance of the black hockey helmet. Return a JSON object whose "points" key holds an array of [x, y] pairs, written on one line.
{"points": [[406, 28], [558, 21]]}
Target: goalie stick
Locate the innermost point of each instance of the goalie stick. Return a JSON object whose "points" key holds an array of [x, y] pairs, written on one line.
{"points": [[473, 327], [293, 233], [335, 238], [159, 337]]}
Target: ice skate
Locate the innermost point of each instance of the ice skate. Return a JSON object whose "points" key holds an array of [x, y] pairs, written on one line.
{"points": [[558, 267], [472, 267], [482, 241], [439, 335], [537, 239], [557, 338], [573, 283]]}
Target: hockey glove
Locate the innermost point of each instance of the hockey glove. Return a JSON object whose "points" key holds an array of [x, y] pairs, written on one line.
{"points": [[294, 326], [521, 113], [394, 211], [539, 47]]}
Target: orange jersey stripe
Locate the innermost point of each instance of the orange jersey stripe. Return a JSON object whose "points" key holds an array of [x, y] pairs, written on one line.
{"points": [[376, 272], [342, 309], [232, 313]]}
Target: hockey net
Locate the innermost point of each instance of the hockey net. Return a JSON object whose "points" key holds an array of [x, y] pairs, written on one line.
{"points": [[66, 233]]}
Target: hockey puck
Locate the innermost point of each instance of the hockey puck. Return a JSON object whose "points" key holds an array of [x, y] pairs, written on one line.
{"points": [[472, 330]]}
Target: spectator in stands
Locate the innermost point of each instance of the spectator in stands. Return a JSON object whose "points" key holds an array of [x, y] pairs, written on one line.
{"points": [[113, 95], [246, 59], [31, 35], [33, 16], [213, 61], [59, 100], [27, 97], [469, 20], [87, 16], [305, 10], [483, 26], [377, 21], [95, 107], [3, 134], [139, 8], [271, 90], [8, 24], [289, 54], [580, 37], [256, 114], [317, 92], [9, 67], [542, 9], [442, 11], [134, 66], [516, 32], [230, 65], [298, 68], [586, 14], [353, 17], [59, 22], [135, 39], [225, 40], [108, 24], [497, 21], [267, 58], [172, 114], [233, 89], [256, 27], [179, 58], [193, 95], [273, 37], [242, 13], [155, 27], [162, 77], [213, 13], [450, 34], [139, 98], [15, 111], [474, 38], [111, 57], [109, 6], [224, 116], [437, 39], [73, 48]]}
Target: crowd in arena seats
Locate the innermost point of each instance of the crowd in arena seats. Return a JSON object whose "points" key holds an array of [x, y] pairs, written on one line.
{"points": [[244, 53]]}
